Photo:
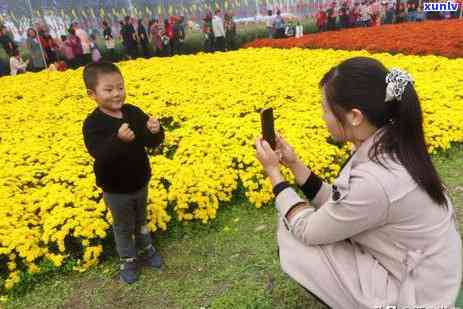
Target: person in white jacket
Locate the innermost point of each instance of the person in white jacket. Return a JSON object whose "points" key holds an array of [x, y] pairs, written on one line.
{"points": [[17, 65], [219, 31]]}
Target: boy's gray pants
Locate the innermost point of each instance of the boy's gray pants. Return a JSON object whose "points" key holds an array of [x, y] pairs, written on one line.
{"points": [[129, 221]]}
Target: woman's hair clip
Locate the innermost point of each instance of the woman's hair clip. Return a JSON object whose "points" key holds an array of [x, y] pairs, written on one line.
{"points": [[396, 82]]}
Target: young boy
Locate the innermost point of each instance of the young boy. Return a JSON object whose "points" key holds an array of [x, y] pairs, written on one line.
{"points": [[116, 135]]}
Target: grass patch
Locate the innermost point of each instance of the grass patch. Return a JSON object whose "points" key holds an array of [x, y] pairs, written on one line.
{"points": [[229, 263]]}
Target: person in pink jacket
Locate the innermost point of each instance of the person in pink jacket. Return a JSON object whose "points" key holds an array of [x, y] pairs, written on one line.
{"points": [[67, 51], [384, 234]]}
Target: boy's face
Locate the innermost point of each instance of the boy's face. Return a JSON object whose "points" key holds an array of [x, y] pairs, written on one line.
{"points": [[109, 92]]}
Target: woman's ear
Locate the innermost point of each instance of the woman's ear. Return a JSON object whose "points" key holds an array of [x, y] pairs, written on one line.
{"points": [[355, 117]]}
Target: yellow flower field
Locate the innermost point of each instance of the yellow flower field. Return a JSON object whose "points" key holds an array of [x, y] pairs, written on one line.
{"points": [[209, 105]]}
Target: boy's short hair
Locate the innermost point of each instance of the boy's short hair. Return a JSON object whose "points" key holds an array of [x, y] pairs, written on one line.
{"points": [[93, 70]]}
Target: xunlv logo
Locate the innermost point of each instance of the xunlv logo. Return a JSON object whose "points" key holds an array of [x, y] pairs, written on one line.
{"points": [[440, 6]]}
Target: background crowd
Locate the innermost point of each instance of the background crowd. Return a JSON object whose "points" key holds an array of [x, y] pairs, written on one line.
{"points": [[78, 48], [166, 37], [366, 13], [138, 38]]}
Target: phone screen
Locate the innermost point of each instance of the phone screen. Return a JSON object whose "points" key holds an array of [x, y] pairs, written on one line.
{"points": [[268, 126]]}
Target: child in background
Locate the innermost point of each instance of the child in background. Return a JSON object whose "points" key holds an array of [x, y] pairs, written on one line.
{"points": [[17, 65], [52, 67], [116, 135], [61, 66]]}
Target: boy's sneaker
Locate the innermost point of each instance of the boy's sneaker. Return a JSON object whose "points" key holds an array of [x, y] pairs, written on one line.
{"points": [[151, 258], [129, 273]]}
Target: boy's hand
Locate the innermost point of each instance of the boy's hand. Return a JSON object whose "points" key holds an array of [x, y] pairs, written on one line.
{"points": [[153, 125], [125, 134]]}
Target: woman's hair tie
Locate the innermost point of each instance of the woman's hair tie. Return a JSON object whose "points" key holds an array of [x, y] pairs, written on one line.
{"points": [[396, 82]]}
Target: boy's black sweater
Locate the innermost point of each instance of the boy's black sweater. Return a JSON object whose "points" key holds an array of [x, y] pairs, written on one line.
{"points": [[120, 167]]}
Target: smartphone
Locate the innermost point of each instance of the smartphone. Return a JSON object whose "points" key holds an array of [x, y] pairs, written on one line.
{"points": [[268, 126]]}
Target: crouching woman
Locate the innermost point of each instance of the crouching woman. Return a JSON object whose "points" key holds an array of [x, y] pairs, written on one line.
{"points": [[384, 234]]}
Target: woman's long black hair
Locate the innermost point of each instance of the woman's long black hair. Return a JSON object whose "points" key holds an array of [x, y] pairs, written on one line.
{"points": [[360, 83]]}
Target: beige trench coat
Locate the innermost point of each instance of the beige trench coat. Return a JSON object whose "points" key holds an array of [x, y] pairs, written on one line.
{"points": [[383, 242]]}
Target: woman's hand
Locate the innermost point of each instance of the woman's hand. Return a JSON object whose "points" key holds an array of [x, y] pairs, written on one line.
{"points": [[290, 159], [288, 155], [270, 160]]}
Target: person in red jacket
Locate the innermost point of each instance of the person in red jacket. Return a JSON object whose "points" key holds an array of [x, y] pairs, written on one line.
{"points": [[75, 44], [169, 35], [50, 47], [208, 33], [321, 20]]}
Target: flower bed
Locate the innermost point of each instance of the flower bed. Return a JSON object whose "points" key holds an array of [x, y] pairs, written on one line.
{"points": [[50, 208], [443, 38]]}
